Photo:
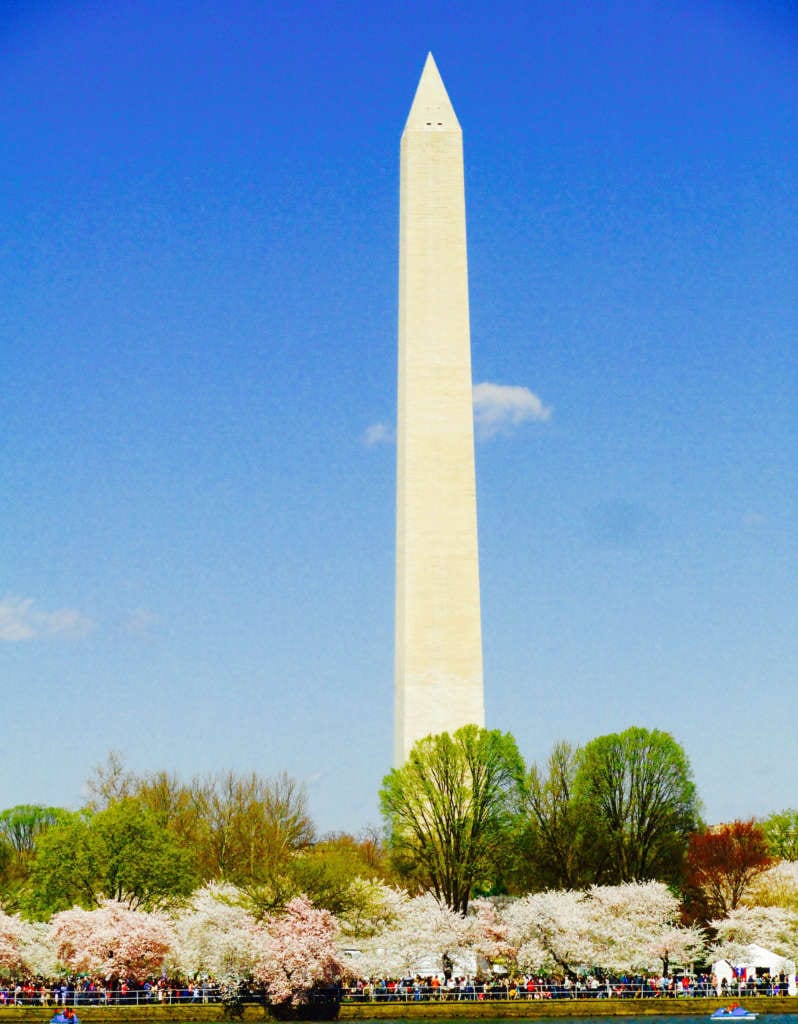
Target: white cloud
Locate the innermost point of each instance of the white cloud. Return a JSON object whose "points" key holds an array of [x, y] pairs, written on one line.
{"points": [[15, 619], [498, 408], [378, 433], [21, 620]]}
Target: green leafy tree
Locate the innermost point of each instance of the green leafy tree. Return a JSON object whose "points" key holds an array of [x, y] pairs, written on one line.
{"points": [[243, 829], [637, 786], [120, 853], [366, 852], [251, 827], [558, 848], [173, 804], [326, 871], [20, 828], [325, 876], [7, 879], [781, 834], [337, 873], [453, 811]]}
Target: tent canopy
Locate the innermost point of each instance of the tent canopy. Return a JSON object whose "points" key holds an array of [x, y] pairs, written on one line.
{"points": [[755, 958]]}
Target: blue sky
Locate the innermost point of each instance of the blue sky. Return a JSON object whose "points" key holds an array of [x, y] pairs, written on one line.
{"points": [[198, 270]]}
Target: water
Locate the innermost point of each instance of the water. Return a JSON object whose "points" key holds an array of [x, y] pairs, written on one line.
{"points": [[767, 1018]]}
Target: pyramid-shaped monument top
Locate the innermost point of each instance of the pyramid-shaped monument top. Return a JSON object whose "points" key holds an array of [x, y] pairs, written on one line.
{"points": [[432, 109]]}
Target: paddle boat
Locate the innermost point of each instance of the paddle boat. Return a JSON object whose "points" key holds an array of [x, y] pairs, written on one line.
{"points": [[733, 1012]]}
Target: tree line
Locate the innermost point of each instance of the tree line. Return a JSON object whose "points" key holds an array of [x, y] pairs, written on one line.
{"points": [[149, 839], [463, 817]]}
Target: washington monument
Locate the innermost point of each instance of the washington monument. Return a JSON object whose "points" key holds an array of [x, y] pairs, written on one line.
{"points": [[438, 668]]}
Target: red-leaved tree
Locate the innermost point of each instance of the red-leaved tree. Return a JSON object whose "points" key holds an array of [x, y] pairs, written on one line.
{"points": [[722, 863]]}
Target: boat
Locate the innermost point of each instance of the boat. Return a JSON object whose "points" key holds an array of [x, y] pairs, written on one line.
{"points": [[733, 1012]]}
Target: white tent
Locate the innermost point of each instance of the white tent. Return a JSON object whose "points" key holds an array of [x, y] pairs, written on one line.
{"points": [[755, 957]]}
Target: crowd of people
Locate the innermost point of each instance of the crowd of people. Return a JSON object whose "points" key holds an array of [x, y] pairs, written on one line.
{"points": [[586, 987], [87, 991]]}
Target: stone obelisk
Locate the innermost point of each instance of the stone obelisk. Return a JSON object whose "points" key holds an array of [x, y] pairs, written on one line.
{"points": [[438, 670]]}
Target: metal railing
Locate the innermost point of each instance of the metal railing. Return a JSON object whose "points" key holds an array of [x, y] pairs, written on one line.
{"points": [[55, 997], [70, 997], [479, 991]]}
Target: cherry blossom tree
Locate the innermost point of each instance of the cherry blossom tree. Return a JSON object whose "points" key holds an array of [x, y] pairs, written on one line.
{"points": [[775, 928], [216, 935], [675, 944], [488, 932], [615, 928], [15, 936], [298, 953], [39, 955], [550, 931], [633, 926], [113, 940], [423, 933], [24, 946], [776, 887]]}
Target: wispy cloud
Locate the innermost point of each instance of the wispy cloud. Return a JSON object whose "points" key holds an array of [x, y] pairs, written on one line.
{"points": [[140, 622], [500, 408], [20, 620], [378, 433]]}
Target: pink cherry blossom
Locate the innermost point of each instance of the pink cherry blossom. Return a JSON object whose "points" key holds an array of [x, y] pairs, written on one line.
{"points": [[15, 936], [112, 941], [298, 952]]}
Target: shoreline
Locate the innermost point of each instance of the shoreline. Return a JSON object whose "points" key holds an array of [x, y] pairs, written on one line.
{"points": [[536, 1009], [523, 1009]]}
